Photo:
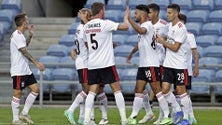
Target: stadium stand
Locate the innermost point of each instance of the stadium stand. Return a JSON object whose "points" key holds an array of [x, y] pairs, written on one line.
{"points": [[119, 39], [215, 16], [217, 4], [203, 4], [162, 3], [115, 5], [194, 27], [67, 61], [184, 4], [47, 60], [213, 51], [212, 29], [14, 5], [73, 27], [57, 50], [90, 2], [123, 50], [113, 15], [206, 40], [134, 3], [67, 40], [198, 16], [219, 41], [132, 40]]}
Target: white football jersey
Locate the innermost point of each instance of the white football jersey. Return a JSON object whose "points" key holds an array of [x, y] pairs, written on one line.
{"points": [[178, 59], [192, 44], [148, 55], [98, 34], [81, 49], [19, 63], [161, 28]]}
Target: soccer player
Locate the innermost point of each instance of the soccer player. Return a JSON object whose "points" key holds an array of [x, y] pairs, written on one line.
{"points": [[20, 71], [101, 63], [80, 55], [192, 50], [148, 70], [175, 65]]}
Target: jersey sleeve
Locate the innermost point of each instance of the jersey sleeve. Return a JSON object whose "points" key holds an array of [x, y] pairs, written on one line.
{"points": [[192, 41], [19, 42], [146, 26], [181, 35], [110, 25]]}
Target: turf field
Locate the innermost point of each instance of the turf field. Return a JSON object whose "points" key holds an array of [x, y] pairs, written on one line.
{"points": [[54, 116]]}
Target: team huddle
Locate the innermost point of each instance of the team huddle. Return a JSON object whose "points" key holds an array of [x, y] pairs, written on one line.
{"points": [[165, 58]]}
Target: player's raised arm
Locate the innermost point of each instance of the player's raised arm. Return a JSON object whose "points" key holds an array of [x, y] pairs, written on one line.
{"points": [[125, 24]]}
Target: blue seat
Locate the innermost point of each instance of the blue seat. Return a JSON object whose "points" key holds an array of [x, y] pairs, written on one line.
{"points": [[120, 62], [129, 74], [162, 14], [49, 61], [215, 16], [203, 4], [134, 3], [197, 15], [218, 89], [46, 74], [123, 50], [112, 15], [219, 41], [194, 27], [116, 5], [200, 51], [184, 4], [212, 29], [67, 62], [135, 60], [57, 50], [6, 18], [213, 51], [205, 75], [119, 39], [90, 2], [12, 4], [209, 60], [132, 40], [64, 74], [67, 40], [200, 89], [218, 76], [162, 3], [206, 40], [73, 27], [217, 4]]}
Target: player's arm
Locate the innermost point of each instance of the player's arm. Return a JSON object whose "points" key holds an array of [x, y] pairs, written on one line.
{"points": [[135, 49], [28, 39], [196, 62], [24, 51], [125, 24], [73, 54], [174, 47]]}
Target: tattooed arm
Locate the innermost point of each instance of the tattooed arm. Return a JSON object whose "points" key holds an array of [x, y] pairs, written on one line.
{"points": [[24, 51], [28, 39]]}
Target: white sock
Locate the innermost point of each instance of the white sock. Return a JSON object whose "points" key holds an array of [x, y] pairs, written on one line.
{"points": [[92, 117], [172, 100], [163, 104], [103, 104], [191, 114], [80, 98], [82, 110], [29, 102], [146, 103], [120, 102], [185, 105], [15, 103], [137, 104], [88, 106]]}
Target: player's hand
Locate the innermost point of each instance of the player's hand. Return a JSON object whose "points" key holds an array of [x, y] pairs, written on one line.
{"points": [[31, 29], [128, 60], [73, 54], [196, 72], [40, 66], [159, 39], [127, 12]]}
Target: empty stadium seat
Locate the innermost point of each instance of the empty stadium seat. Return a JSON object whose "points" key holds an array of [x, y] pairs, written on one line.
{"points": [[119, 39], [205, 75], [203, 4], [200, 51], [194, 27], [184, 4], [67, 61], [219, 41], [132, 40], [123, 50], [215, 16], [212, 29], [197, 16], [67, 40], [134, 3], [135, 60], [213, 51], [6, 18], [162, 3], [64, 74], [120, 62], [57, 50], [200, 89], [90, 2], [73, 27], [217, 4], [129, 74], [218, 89], [112, 15], [162, 14], [12, 4], [209, 60], [206, 40], [49, 61], [116, 5], [218, 76]]}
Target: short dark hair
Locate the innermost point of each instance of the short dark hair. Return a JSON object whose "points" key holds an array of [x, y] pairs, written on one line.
{"points": [[183, 17], [174, 7], [19, 19], [142, 7], [96, 8], [154, 7]]}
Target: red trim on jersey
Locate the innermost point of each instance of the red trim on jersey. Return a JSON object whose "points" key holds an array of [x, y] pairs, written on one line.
{"points": [[85, 75], [163, 22], [18, 82], [19, 32], [180, 25], [153, 74], [185, 77], [115, 73]]}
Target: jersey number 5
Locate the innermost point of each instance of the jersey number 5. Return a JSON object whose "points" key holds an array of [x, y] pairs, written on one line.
{"points": [[93, 41]]}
